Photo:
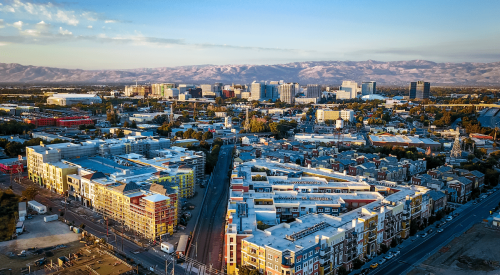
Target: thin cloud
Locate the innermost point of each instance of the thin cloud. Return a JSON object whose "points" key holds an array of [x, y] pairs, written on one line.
{"points": [[2, 24], [110, 21], [89, 27], [50, 12], [45, 36]]}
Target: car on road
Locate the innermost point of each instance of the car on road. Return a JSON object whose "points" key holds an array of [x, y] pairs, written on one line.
{"points": [[425, 235], [456, 214], [440, 230], [430, 231], [388, 257], [374, 265], [449, 218], [382, 261], [475, 202], [396, 253]]}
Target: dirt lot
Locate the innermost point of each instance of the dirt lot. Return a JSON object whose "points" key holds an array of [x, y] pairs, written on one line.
{"points": [[40, 234], [476, 251]]}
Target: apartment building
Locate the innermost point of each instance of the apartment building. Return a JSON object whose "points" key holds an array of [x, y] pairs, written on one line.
{"points": [[317, 240], [149, 214]]}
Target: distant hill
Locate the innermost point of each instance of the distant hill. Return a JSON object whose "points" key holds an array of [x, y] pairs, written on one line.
{"points": [[321, 72]]}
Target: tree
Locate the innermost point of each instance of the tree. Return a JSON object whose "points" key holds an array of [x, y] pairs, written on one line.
{"points": [[126, 124], [82, 226], [394, 242], [357, 263], [384, 248], [342, 271], [113, 117], [30, 193], [120, 133]]}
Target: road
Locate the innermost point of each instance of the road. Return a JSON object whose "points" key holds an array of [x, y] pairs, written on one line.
{"points": [[421, 248], [208, 238]]}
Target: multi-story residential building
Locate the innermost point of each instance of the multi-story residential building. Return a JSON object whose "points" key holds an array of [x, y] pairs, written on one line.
{"points": [[147, 213], [368, 88], [262, 200], [419, 90], [46, 160], [287, 92]]}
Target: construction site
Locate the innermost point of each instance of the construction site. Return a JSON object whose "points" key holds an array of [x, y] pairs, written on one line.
{"points": [[476, 251]]}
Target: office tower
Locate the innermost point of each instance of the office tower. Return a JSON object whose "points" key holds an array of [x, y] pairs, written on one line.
{"points": [[209, 90], [272, 91], [313, 91], [140, 90], [419, 90], [350, 86], [368, 88], [258, 90], [287, 92], [171, 93]]}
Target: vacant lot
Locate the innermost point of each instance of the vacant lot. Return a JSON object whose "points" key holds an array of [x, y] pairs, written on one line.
{"points": [[40, 234], [474, 252]]}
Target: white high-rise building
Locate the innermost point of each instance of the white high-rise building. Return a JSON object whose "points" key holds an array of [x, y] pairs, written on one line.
{"points": [[171, 93], [351, 87], [368, 88], [258, 90], [287, 92], [211, 90]]}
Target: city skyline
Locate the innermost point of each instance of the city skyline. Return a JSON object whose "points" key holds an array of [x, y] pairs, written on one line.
{"points": [[126, 35]]}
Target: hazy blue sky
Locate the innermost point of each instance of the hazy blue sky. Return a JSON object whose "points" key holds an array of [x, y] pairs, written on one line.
{"points": [[129, 34]]}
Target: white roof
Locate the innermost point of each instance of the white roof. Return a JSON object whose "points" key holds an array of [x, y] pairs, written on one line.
{"points": [[156, 198]]}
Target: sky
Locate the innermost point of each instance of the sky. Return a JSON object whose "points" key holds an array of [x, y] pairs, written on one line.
{"points": [[129, 34]]}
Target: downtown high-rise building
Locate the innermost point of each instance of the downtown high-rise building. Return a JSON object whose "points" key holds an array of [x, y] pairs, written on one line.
{"points": [[287, 92], [368, 88], [158, 89], [419, 90], [313, 91], [258, 91]]}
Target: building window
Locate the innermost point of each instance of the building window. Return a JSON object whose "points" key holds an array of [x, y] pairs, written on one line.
{"points": [[310, 254], [298, 260], [327, 209], [270, 257], [320, 209], [316, 267], [231, 240]]}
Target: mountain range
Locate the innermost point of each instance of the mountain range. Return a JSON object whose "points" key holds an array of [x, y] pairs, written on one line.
{"points": [[318, 72]]}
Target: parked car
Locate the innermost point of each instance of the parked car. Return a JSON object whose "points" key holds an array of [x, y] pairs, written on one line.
{"points": [[382, 261], [424, 235], [396, 253], [430, 231], [374, 265], [449, 218], [388, 257], [440, 230]]}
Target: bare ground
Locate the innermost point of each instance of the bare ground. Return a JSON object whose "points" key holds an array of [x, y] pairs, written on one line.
{"points": [[477, 251]]}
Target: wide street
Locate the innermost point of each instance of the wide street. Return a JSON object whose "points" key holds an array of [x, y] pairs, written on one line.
{"points": [[208, 238], [417, 249]]}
